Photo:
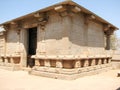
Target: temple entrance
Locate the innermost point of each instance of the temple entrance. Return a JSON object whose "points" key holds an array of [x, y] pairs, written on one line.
{"points": [[32, 45]]}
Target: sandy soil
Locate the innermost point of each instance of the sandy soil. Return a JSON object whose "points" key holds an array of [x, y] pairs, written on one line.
{"points": [[21, 80]]}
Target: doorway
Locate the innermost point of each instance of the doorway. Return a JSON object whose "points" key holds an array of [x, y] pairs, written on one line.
{"points": [[32, 45]]}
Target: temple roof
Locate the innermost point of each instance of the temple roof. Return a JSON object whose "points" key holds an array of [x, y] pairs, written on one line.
{"points": [[63, 3]]}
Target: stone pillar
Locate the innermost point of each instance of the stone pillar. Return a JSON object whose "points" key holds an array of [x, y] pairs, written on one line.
{"points": [[37, 63], [109, 60], [108, 34], [12, 60], [77, 64], [47, 63], [23, 46], [40, 40], [42, 63], [86, 63], [93, 62], [107, 42], [105, 61], [59, 64], [99, 61], [6, 61]]}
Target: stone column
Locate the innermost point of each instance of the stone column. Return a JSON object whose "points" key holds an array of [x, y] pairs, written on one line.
{"points": [[108, 34], [37, 63], [47, 63], [77, 64], [93, 62], [41, 32], [40, 40], [86, 63], [109, 60], [107, 42], [12, 60], [99, 61], [105, 61], [59, 64], [6, 61], [23, 43]]}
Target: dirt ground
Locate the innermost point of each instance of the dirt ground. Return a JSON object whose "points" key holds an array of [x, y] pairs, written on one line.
{"points": [[21, 80]]}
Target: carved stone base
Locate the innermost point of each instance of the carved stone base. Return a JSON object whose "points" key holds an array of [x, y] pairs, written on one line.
{"points": [[69, 74], [10, 67]]}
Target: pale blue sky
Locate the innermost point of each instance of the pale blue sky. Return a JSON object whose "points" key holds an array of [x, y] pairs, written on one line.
{"points": [[107, 9]]}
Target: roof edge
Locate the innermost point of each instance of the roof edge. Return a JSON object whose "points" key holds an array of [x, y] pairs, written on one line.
{"points": [[61, 3]]}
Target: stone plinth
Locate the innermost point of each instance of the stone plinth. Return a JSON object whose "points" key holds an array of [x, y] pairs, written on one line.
{"points": [[59, 64], [77, 64], [99, 62], [47, 63], [93, 62], [37, 63], [68, 64], [86, 64]]}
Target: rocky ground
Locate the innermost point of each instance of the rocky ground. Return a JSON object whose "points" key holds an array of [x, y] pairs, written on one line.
{"points": [[21, 80]]}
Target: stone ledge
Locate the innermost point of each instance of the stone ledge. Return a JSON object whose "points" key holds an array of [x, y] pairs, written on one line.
{"points": [[11, 68], [70, 71], [68, 74], [67, 77], [67, 57]]}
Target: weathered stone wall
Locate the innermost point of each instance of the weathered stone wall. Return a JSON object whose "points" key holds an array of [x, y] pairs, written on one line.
{"points": [[2, 44], [56, 41], [70, 35], [86, 39], [67, 35], [12, 42], [95, 39], [78, 35]]}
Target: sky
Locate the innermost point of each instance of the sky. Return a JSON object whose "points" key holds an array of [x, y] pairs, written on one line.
{"points": [[107, 9]]}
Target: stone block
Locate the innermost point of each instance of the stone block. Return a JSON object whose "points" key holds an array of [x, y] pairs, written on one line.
{"points": [[47, 63], [68, 64], [37, 63], [100, 61], [59, 64], [86, 64], [53, 63], [42, 63], [77, 64], [93, 62]]}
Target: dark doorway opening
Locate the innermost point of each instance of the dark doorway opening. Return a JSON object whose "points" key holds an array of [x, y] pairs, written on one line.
{"points": [[32, 45]]}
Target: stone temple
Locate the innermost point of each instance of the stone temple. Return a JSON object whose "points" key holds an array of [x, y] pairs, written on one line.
{"points": [[63, 41]]}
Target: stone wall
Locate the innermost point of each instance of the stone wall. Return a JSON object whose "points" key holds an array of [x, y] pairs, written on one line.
{"points": [[71, 36], [2, 44], [12, 42]]}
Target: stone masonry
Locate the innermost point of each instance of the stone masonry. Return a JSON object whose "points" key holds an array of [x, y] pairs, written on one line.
{"points": [[63, 41]]}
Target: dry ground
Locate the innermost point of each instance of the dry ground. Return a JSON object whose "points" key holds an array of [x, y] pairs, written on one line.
{"points": [[21, 80]]}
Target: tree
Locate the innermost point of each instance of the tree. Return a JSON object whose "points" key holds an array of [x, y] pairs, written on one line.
{"points": [[115, 42]]}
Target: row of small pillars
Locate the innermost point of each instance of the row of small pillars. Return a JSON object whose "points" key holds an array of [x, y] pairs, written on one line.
{"points": [[70, 64]]}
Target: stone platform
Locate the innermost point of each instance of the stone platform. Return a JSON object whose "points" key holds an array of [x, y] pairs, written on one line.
{"points": [[11, 67], [10, 62], [69, 74]]}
